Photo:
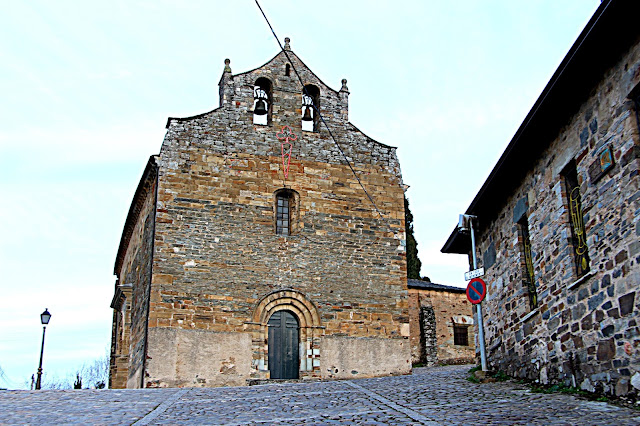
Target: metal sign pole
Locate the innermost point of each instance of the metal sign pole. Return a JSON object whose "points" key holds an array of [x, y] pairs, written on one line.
{"points": [[483, 355]]}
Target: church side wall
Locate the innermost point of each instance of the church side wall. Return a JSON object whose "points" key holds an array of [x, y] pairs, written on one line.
{"points": [[135, 277], [583, 332]]}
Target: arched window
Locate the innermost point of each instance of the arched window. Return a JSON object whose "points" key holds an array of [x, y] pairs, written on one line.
{"points": [[262, 101], [285, 211], [310, 108], [287, 70]]}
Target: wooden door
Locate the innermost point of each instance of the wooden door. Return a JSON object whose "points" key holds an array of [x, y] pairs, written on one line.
{"points": [[284, 359]]}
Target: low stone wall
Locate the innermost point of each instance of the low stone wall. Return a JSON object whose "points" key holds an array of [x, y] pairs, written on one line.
{"points": [[349, 358], [197, 358]]}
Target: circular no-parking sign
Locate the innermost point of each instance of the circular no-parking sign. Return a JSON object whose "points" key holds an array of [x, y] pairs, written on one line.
{"points": [[476, 290]]}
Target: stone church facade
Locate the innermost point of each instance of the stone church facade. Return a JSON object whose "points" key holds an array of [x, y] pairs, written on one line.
{"points": [[251, 251], [558, 221]]}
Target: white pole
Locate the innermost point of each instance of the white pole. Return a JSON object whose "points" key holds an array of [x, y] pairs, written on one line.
{"points": [[483, 355]]}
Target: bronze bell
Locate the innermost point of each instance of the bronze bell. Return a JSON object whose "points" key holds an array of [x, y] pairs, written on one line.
{"points": [[307, 114], [260, 108]]}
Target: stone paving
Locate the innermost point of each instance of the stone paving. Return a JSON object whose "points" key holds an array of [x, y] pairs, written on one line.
{"points": [[434, 396]]}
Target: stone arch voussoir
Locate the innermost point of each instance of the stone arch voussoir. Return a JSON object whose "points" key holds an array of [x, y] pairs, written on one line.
{"points": [[287, 299]]}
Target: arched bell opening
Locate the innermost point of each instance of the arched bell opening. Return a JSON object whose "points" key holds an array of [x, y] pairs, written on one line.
{"points": [[262, 101], [310, 108]]}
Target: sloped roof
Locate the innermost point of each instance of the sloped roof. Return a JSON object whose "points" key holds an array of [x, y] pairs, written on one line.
{"points": [[146, 183], [427, 285]]}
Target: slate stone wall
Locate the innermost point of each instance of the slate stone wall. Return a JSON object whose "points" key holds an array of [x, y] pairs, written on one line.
{"points": [[584, 332], [216, 251]]}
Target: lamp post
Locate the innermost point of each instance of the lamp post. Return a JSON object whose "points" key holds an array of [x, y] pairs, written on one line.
{"points": [[44, 318]]}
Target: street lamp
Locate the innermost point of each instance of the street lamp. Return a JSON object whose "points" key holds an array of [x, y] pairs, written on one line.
{"points": [[44, 318]]}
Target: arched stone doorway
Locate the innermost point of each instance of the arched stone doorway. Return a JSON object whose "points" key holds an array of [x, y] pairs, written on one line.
{"points": [[309, 328], [283, 344]]}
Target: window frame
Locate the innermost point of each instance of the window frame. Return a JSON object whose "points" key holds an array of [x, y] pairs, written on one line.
{"points": [[283, 214], [288, 212], [528, 271], [460, 330], [575, 211]]}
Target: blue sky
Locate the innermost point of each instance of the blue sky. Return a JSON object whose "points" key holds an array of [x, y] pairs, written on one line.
{"points": [[87, 87]]}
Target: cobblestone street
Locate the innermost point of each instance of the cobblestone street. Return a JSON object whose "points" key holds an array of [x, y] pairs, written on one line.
{"points": [[435, 396]]}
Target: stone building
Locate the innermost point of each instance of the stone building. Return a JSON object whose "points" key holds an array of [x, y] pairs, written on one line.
{"points": [[251, 250], [559, 221], [441, 324]]}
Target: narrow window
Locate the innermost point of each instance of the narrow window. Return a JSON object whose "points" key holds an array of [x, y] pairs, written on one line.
{"points": [[285, 211], [529, 277], [287, 70], [460, 335], [262, 101], [576, 219], [310, 108], [282, 213]]}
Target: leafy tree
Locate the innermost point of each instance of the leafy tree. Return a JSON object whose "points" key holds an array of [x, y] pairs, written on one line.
{"points": [[413, 262]]}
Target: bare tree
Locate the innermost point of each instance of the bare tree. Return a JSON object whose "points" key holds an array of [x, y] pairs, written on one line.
{"points": [[96, 374], [3, 376], [52, 381], [92, 375]]}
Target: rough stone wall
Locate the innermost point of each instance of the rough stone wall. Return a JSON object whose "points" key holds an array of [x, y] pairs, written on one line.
{"points": [[448, 307], [428, 336], [217, 254], [583, 332], [134, 276]]}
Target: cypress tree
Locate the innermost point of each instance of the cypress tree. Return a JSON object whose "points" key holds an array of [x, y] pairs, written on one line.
{"points": [[413, 262]]}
